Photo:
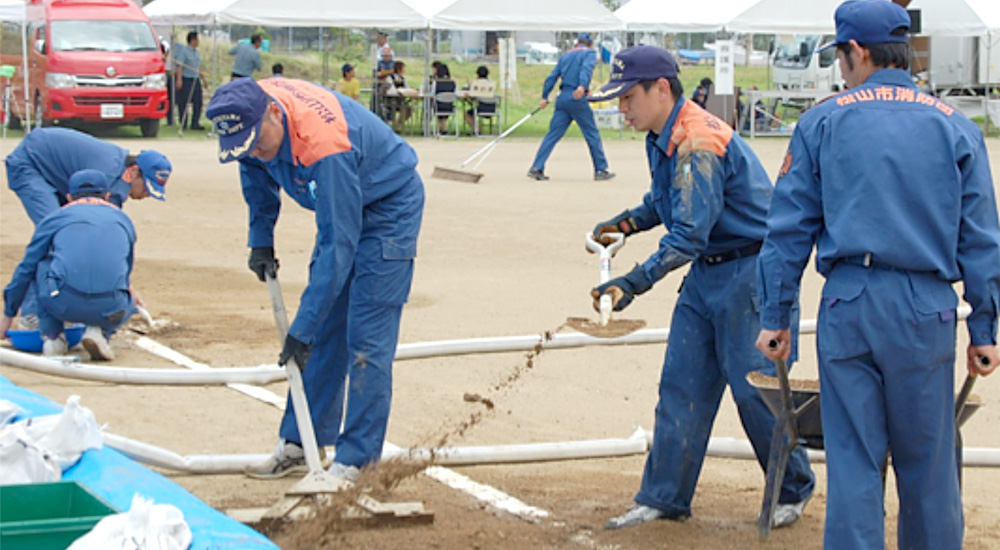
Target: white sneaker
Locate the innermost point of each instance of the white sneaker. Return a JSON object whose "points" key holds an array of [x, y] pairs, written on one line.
{"points": [[636, 515], [345, 472], [787, 514], [96, 345], [55, 347], [286, 459]]}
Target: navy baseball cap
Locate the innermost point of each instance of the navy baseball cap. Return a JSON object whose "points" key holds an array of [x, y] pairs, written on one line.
{"points": [[634, 64], [585, 37], [88, 181], [236, 111], [870, 22], [155, 170]]}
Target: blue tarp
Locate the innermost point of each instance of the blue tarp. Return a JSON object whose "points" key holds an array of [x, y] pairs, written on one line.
{"points": [[115, 478]]}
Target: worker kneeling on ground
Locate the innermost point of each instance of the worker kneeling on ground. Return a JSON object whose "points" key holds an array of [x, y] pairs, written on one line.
{"points": [[80, 259], [39, 169], [336, 158], [711, 194]]}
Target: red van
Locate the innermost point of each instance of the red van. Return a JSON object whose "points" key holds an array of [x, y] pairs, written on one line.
{"points": [[92, 61]]}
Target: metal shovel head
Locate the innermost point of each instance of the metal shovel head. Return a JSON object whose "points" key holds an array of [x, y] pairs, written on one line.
{"points": [[443, 173]]}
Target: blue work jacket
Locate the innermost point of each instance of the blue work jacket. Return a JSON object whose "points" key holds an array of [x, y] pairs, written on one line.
{"points": [[709, 190], [88, 245], [58, 153], [343, 171], [575, 68], [886, 170]]}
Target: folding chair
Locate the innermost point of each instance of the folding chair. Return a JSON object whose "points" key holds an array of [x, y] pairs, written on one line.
{"points": [[491, 113], [444, 106]]}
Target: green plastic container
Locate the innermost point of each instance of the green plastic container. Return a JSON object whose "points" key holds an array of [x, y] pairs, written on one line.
{"points": [[48, 516]]}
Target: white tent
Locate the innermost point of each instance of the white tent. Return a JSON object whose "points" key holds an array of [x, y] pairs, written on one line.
{"points": [[525, 15], [938, 17], [11, 10], [394, 14], [662, 16]]}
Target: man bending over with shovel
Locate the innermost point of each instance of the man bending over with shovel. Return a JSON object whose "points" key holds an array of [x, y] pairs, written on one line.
{"points": [[712, 195], [336, 158]]}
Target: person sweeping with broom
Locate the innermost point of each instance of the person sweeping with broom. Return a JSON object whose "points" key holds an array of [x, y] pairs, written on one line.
{"points": [[334, 157]]}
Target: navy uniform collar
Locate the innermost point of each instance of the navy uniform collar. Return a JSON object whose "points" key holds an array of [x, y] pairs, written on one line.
{"points": [[894, 77], [662, 141]]}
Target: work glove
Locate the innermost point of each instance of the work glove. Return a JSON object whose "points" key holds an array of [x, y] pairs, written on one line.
{"points": [[262, 262], [622, 289], [294, 349], [623, 223]]}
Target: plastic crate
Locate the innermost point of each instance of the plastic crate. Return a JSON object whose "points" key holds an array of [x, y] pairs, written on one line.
{"points": [[48, 516]]}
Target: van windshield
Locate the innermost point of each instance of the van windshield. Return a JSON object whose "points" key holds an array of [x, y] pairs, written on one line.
{"points": [[102, 36], [790, 54]]}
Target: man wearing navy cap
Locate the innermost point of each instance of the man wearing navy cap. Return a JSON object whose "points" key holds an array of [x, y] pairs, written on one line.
{"points": [[80, 261], [334, 157], [573, 71], [711, 194], [893, 187], [39, 168]]}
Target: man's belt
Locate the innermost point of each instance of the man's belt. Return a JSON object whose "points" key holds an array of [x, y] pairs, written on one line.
{"points": [[742, 252], [866, 260]]}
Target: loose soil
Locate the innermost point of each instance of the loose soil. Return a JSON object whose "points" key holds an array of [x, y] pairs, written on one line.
{"points": [[503, 257]]}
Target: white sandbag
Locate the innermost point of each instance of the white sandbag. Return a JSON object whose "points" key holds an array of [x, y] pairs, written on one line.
{"points": [[21, 461], [8, 411], [145, 526], [65, 436]]}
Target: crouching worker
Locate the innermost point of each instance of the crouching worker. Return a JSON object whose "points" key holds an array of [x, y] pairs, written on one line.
{"points": [[80, 260]]}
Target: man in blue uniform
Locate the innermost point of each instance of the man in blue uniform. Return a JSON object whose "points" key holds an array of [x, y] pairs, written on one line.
{"points": [[894, 189], [332, 156], [573, 71], [80, 260], [39, 169], [711, 194]]}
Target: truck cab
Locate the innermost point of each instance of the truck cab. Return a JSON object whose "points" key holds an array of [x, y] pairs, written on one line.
{"points": [[93, 61], [798, 65]]}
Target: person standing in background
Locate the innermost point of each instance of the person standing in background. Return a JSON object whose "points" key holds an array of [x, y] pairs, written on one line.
{"points": [[247, 59]]}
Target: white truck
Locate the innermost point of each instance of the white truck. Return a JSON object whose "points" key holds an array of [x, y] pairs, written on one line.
{"points": [[943, 65], [797, 64]]}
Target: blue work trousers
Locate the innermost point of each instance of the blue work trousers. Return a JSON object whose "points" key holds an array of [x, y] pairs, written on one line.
{"points": [[357, 340], [39, 199], [715, 325], [62, 304], [887, 358], [567, 111]]}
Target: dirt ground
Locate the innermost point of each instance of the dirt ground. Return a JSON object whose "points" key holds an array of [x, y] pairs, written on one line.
{"points": [[500, 258]]}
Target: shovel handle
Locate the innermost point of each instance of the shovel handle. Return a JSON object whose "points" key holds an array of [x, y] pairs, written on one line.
{"points": [[303, 417]]}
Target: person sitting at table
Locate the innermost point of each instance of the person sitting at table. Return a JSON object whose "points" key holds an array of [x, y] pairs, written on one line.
{"points": [[443, 84], [399, 109], [481, 87]]}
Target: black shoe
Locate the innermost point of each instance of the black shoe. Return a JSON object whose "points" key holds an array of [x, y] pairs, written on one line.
{"points": [[536, 174], [199, 127], [603, 175]]}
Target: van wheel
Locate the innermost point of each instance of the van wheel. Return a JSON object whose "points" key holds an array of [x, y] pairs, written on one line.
{"points": [[150, 127]]}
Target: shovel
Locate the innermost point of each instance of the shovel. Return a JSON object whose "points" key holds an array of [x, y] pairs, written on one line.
{"points": [[318, 480], [606, 252]]}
